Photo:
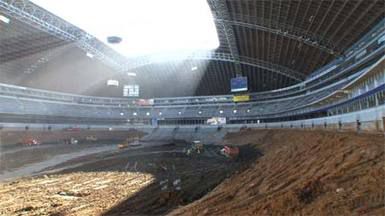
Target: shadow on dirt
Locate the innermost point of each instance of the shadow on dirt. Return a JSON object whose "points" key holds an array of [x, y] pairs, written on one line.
{"points": [[179, 179]]}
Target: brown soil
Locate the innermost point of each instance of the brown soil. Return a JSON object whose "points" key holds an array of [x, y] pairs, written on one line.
{"points": [[302, 173], [279, 172], [127, 182], [10, 138], [72, 194], [18, 160]]}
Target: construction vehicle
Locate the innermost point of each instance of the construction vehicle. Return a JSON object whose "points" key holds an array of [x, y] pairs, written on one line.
{"points": [[196, 148], [135, 142], [74, 141], [91, 138], [122, 145], [30, 141], [71, 141], [230, 152], [169, 189], [129, 142]]}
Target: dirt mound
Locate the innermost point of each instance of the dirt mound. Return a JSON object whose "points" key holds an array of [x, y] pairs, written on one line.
{"points": [[302, 173]]}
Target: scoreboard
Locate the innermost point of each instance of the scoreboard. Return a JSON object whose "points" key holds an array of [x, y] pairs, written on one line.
{"points": [[131, 90], [239, 84]]}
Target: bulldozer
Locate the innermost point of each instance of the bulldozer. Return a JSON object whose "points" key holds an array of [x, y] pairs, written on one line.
{"points": [[196, 148]]}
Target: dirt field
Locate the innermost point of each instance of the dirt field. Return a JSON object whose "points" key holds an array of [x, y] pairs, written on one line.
{"points": [[280, 172], [10, 138], [17, 159], [302, 173], [144, 181], [26, 161]]}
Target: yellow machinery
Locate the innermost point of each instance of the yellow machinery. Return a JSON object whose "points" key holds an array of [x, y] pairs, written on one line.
{"points": [[196, 147], [130, 142]]}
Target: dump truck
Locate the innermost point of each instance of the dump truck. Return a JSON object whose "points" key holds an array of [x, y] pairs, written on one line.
{"points": [[230, 152], [30, 141]]}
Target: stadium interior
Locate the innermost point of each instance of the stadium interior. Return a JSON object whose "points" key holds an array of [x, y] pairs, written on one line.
{"points": [[209, 107]]}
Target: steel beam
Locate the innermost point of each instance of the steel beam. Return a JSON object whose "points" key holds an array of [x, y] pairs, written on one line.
{"points": [[311, 41], [29, 13], [226, 57], [33, 15], [221, 13]]}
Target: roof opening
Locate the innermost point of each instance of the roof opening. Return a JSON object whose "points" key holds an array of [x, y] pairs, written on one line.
{"points": [[144, 26]]}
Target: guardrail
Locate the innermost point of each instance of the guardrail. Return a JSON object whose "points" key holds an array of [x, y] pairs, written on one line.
{"points": [[371, 37], [103, 115], [369, 120]]}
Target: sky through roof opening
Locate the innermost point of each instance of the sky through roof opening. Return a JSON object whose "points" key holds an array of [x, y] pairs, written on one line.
{"points": [[146, 26]]}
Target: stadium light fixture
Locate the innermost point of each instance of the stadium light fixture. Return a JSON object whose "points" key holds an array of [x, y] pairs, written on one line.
{"points": [[111, 82], [160, 113], [179, 113], [248, 110], [135, 114], [194, 68], [4, 19], [131, 74], [147, 113], [90, 55], [235, 111], [122, 114], [221, 111], [176, 24], [199, 112]]}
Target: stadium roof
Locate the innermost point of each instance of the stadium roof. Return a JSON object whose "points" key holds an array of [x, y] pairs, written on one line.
{"points": [[274, 43]]}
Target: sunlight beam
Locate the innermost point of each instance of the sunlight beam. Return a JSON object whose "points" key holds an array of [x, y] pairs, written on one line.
{"points": [[146, 26]]}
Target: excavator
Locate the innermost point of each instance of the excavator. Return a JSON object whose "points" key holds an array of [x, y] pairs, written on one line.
{"points": [[196, 148]]}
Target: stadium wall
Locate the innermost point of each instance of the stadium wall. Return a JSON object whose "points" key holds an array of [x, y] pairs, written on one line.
{"points": [[365, 121]]}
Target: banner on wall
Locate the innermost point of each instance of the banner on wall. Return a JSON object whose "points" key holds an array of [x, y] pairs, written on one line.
{"points": [[241, 98], [144, 102], [216, 121]]}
